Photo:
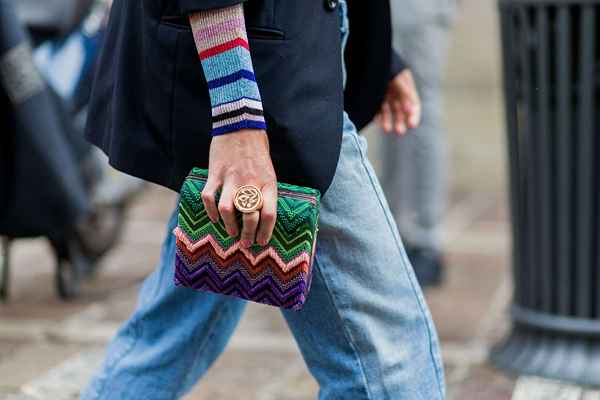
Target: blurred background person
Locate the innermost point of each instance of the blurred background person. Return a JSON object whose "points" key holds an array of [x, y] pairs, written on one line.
{"points": [[53, 183], [414, 167]]}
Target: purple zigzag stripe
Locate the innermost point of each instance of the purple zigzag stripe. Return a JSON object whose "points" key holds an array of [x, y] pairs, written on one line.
{"points": [[237, 276], [238, 286], [295, 303], [192, 270]]}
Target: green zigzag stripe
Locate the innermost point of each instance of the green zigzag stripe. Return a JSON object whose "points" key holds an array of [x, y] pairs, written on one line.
{"points": [[195, 221], [194, 225]]}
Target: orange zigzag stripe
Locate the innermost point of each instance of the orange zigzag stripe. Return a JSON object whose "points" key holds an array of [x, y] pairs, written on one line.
{"points": [[253, 259]]}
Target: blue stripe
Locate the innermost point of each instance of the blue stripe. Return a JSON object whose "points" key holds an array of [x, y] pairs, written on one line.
{"points": [[226, 63], [238, 126], [234, 91], [236, 76]]}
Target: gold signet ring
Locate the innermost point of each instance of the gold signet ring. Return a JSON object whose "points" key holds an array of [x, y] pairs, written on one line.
{"points": [[248, 198]]}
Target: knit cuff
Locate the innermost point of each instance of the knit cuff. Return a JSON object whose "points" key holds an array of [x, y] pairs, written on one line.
{"points": [[222, 44]]}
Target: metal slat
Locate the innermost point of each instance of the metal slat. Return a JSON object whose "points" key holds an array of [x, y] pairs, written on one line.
{"points": [[596, 169], [543, 159], [564, 139], [509, 80], [528, 164], [585, 154]]}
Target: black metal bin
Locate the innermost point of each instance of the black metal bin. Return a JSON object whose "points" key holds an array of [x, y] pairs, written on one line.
{"points": [[551, 55]]}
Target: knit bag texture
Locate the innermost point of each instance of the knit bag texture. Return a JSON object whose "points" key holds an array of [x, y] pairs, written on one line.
{"points": [[278, 274]]}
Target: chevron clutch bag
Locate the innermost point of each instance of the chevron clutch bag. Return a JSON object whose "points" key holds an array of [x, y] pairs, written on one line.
{"points": [[278, 274]]}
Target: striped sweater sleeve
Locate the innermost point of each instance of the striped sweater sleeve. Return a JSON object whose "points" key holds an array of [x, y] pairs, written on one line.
{"points": [[222, 43]]}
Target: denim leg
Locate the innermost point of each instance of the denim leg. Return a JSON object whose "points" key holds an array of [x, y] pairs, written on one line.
{"points": [[365, 331], [169, 342]]}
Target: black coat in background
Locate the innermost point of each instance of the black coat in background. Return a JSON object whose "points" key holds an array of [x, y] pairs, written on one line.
{"points": [[150, 108], [42, 190]]}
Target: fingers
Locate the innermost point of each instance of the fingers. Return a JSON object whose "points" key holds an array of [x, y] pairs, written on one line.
{"points": [[399, 118], [411, 103], [209, 195], [250, 224], [227, 209], [386, 117], [257, 227], [414, 114], [268, 215]]}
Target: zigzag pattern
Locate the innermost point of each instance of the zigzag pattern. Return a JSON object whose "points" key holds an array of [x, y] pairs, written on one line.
{"points": [[253, 258], [192, 261], [278, 274], [207, 277]]}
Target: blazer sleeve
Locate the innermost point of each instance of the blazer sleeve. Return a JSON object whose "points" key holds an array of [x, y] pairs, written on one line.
{"points": [[397, 64], [187, 7]]}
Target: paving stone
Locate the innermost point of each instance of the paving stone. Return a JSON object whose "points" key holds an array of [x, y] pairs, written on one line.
{"points": [[263, 319], [486, 383], [9, 347], [66, 380], [243, 375], [11, 395], [591, 395], [301, 387], [463, 301], [532, 388], [32, 360]]}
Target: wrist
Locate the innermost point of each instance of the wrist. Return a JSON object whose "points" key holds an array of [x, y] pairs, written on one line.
{"points": [[243, 136], [241, 145]]}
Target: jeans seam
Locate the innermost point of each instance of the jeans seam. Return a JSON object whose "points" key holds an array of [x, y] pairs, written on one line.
{"points": [[347, 333], [405, 263]]}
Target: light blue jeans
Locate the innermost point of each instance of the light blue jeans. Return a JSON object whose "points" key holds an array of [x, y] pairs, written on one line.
{"points": [[365, 331]]}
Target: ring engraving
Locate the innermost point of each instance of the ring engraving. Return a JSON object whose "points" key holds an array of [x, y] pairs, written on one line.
{"points": [[248, 198]]}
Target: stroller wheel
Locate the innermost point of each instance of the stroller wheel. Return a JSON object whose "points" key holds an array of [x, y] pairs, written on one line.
{"points": [[4, 268], [101, 231], [71, 267]]}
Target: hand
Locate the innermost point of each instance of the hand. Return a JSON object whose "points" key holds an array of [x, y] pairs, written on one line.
{"points": [[237, 159], [401, 108]]}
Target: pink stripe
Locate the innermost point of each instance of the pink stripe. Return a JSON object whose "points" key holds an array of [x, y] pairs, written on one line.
{"points": [[254, 259], [233, 26]]}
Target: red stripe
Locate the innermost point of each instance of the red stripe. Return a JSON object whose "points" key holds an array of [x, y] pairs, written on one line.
{"points": [[223, 48]]}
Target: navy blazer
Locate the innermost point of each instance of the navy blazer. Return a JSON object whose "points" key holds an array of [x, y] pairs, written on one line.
{"points": [[150, 109]]}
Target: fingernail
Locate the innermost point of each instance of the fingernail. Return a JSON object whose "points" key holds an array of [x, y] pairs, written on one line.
{"points": [[246, 243]]}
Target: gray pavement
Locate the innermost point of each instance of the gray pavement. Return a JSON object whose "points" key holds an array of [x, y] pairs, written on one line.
{"points": [[48, 348]]}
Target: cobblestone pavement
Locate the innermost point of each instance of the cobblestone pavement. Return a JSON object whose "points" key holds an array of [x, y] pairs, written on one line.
{"points": [[49, 348]]}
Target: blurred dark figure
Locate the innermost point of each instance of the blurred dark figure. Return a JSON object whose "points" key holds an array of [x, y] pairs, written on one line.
{"points": [[47, 171], [414, 174]]}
